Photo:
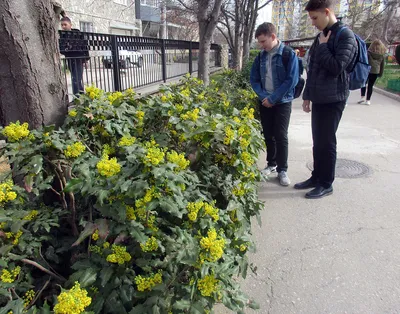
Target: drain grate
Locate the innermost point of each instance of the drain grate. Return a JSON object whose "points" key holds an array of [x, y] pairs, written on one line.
{"points": [[346, 168]]}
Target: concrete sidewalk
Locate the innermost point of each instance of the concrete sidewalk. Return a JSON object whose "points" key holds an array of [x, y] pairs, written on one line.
{"points": [[339, 254]]}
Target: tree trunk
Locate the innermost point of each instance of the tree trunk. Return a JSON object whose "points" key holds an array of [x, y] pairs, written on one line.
{"points": [[31, 84], [207, 24], [392, 9]]}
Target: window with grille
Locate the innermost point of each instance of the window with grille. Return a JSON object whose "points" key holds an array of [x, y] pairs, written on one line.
{"points": [[86, 27]]}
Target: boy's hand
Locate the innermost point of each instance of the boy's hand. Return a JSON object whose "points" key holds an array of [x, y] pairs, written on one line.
{"points": [[324, 39], [306, 106], [266, 103]]}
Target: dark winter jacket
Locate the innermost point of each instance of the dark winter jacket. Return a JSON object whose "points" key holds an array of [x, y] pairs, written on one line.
{"points": [[327, 77]]}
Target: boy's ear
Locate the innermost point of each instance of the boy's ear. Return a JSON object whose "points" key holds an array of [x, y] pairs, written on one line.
{"points": [[327, 11]]}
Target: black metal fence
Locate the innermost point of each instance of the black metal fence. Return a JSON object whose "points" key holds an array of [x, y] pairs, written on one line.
{"points": [[115, 63]]}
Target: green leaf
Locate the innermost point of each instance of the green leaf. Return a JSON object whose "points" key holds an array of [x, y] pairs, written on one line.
{"points": [[89, 229], [73, 185], [102, 226], [37, 163], [85, 277], [105, 275]]}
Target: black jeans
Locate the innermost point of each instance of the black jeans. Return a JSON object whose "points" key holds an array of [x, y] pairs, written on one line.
{"points": [[75, 65], [325, 120], [370, 81], [275, 123]]}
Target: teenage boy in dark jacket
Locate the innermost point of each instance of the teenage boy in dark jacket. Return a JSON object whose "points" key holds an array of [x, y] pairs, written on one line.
{"points": [[75, 58], [274, 83], [327, 88]]}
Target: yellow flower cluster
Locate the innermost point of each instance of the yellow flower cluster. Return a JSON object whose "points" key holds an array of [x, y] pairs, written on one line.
{"points": [[108, 167], [114, 96], [208, 285], [95, 235], [119, 255], [140, 116], [10, 276], [130, 92], [141, 208], [15, 131], [6, 192], [73, 301], [72, 113], [213, 245], [150, 245], [10, 235], [237, 120], [95, 249], [242, 248], [244, 130], [154, 156], [211, 211], [130, 213], [108, 150], [248, 113], [193, 209], [179, 108], [229, 135], [32, 215], [178, 159], [185, 92], [244, 143], [106, 245], [200, 97], [28, 297], [191, 115], [247, 159], [239, 190], [126, 141], [93, 92], [74, 150], [148, 283]]}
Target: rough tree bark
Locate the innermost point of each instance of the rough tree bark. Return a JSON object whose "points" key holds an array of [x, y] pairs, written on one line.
{"points": [[207, 17], [31, 83]]}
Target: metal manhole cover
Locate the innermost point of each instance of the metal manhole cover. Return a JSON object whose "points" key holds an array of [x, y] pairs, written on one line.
{"points": [[346, 168]]}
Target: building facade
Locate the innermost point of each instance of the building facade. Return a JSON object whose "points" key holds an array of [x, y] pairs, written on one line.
{"points": [[103, 16], [292, 21]]}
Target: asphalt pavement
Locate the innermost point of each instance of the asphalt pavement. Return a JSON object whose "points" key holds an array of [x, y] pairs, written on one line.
{"points": [[339, 254]]}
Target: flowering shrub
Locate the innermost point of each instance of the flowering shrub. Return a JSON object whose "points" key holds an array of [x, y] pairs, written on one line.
{"points": [[135, 205]]}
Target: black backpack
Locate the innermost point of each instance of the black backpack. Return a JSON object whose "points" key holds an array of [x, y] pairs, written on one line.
{"points": [[285, 60]]}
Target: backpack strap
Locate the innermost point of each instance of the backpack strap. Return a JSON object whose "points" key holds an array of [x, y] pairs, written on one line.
{"points": [[285, 56], [337, 35]]}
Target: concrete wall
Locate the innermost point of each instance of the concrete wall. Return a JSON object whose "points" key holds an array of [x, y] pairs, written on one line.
{"points": [[107, 16]]}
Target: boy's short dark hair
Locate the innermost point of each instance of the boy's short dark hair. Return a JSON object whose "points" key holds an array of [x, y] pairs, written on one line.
{"points": [[315, 5], [66, 19], [265, 29]]}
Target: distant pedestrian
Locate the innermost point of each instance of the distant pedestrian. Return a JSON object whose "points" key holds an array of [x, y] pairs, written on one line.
{"points": [[326, 91], [301, 64], [376, 59], [75, 56], [274, 75]]}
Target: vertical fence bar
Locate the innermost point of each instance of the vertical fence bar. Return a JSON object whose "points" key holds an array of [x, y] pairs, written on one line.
{"points": [[163, 60], [190, 58], [115, 60]]}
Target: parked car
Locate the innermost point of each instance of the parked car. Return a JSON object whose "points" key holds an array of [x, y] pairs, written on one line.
{"points": [[126, 59]]}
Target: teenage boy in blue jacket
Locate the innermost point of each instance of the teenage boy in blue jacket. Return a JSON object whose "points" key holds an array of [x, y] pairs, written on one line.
{"points": [[274, 81]]}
